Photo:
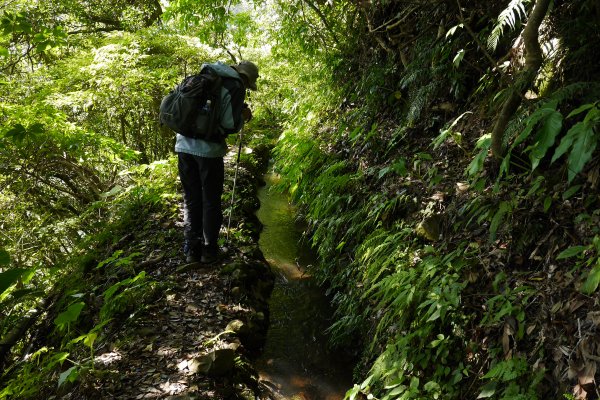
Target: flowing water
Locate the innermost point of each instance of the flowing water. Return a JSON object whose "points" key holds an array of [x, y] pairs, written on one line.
{"points": [[295, 361]]}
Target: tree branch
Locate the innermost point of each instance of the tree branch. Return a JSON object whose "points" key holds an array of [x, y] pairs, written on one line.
{"points": [[323, 20]]}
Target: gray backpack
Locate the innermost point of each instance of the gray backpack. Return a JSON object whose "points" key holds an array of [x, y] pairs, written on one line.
{"points": [[193, 108]]}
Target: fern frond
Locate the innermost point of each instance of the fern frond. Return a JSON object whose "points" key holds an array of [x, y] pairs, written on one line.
{"points": [[514, 12], [419, 99]]}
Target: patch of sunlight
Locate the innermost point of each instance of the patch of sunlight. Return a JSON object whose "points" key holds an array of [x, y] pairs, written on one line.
{"points": [[166, 351], [171, 388], [108, 358]]}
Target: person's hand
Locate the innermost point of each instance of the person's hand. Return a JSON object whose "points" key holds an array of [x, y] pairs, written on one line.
{"points": [[246, 114]]}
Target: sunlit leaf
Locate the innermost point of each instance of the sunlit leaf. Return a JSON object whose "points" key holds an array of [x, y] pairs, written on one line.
{"points": [[458, 58], [452, 30], [593, 279], [488, 391], [71, 314], [69, 375]]}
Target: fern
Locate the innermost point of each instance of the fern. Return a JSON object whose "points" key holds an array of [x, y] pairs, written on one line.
{"points": [[582, 139], [419, 99], [508, 17], [508, 370]]}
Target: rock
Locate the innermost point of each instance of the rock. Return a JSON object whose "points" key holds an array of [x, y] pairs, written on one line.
{"points": [[239, 327], [217, 363], [430, 228]]}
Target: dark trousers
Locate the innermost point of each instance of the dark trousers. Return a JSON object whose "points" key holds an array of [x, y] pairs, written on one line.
{"points": [[202, 179]]}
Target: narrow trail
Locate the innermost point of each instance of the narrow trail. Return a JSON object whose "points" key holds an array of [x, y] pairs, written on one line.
{"points": [[165, 349], [195, 338], [161, 348]]}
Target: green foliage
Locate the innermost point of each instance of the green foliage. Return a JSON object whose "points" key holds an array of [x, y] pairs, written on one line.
{"points": [[483, 144], [504, 381], [41, 365], [70, 315], [509, 17], [547, 121], [8, 278], [450, 133], [4, 257], [582, 139], [122, 295]]}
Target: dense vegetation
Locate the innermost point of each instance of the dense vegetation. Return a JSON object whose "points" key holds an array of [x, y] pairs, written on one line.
{"points": [[443, 153]]}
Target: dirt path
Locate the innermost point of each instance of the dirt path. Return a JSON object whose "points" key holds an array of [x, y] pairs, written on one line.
{"points": [[195, 338], [163, 353]]}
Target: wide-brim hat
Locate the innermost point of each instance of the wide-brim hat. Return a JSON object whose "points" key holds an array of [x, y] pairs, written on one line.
{"points": [[250, 71]]}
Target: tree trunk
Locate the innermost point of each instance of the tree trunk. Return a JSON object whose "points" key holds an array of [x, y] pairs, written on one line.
{"points": [[533, 61]]}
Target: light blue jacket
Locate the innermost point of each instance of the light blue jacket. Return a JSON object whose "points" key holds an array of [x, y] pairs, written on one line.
{"points": [[204, 148]]}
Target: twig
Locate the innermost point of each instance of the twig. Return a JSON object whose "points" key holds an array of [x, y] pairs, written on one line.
{"points": [[544, 240]]}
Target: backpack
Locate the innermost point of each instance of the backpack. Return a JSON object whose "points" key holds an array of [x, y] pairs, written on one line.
{"points": [[193, 108]]}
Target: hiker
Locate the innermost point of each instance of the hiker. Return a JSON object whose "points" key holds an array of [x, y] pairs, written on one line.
{"points": [[201, 168]]}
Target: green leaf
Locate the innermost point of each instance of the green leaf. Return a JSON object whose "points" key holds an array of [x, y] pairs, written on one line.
{"points": [[532, 121], [584, 146], [497, 219], [477, 164], [458, 58], [547, 203], [546, 137], [488, 391], [452, 30], [69, 375], [435, 315], [90, 338], [108, 293], [18, 294], [571, 192], [3, 52], [571, 252], [581, 109], [17, 133], [8, 278], [483, 143], [69, 315], [4, 257], [567, 141], [591, 283]]}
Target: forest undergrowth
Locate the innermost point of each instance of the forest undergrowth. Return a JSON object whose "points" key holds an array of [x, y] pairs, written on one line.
{"points": [[444, 156], [458, 272]]}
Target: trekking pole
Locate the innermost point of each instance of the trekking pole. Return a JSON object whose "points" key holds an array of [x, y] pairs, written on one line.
{"points": [[237, 164]]}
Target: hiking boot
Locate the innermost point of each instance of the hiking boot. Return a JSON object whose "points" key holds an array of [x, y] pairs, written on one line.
{"points": [[209, 258], [211, 255], [192, 248]]}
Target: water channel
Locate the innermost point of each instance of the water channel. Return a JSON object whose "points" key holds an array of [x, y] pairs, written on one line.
{"points": [[296, 362]]}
